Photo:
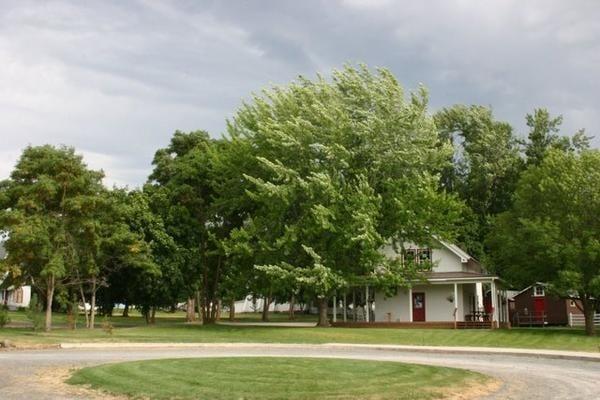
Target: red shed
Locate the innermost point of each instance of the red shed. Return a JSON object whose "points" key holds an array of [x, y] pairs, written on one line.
{"points": [[534, 306]]}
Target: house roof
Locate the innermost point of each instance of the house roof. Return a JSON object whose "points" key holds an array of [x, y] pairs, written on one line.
{"points": [[463, 255], [529, 287]]}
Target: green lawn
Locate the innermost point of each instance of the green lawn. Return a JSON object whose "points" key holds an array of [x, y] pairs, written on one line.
{"points": [[275, 378], [172, 328]]}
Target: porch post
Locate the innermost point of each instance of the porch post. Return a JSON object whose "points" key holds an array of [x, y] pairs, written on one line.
{"points": [[345, 306], [479, 295], [354, 304], [507, 309], [367, 303], [455, 304], [334, 308], [410, 310], [494, 304]]}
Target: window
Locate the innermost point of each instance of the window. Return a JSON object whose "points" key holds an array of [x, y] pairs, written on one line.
{"points": [[410, 255], [538, 291], [424, 255], [417, 255]]}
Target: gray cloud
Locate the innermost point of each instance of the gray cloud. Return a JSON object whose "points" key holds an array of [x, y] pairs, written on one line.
{"points": [[115, 79]]}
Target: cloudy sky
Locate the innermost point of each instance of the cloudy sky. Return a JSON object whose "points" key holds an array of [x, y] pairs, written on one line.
{"points": [[116, 78]]}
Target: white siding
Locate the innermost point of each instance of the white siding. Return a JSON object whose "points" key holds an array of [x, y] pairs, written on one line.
{"points": [[437, 306], [397, 306], [446, 261], [443, 259], [12, 297]]}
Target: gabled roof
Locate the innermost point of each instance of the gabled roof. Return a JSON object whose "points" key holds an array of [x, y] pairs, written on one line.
{"points": [[529, 287], [463, 255]]}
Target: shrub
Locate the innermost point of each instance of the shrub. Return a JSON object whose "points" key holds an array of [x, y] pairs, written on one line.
{"points": [[34, 313], [4, 317], [107, 326]]}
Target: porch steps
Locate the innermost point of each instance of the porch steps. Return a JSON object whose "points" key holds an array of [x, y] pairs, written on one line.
{"points": [[474, 325], [404, 325], [415, 325]]}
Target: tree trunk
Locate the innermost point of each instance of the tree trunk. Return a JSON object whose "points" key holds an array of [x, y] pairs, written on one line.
{"points": [[323, 321], [218, 310], [199, 305], [87, 320], [265, 311], [232, 309], [589, 311], [126, 310], [291, 315], [49, 297], [153, 316], [190, 310], [93, 305]]}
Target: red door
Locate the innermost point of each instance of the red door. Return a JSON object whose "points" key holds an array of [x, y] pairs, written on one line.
{"points": [[539, 308], [418, 303]]}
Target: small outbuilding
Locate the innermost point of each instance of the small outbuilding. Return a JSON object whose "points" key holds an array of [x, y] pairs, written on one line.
{"points": [[535, 306]]}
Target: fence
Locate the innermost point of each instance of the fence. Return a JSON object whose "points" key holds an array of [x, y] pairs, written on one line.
{"points": [[530, 319], [579, 319]]}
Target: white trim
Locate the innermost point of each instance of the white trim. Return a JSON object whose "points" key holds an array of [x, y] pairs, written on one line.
{"points": [[463, 255], [529, 287], [410, 305]]}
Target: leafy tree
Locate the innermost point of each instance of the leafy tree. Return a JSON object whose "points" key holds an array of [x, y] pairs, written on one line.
{"points": [[42, 207], [193, 187], [120, 235], [484, 168], [551, 232], [342, 168], [544, 135]]}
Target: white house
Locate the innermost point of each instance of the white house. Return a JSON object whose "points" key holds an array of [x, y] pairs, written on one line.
{"points": [[13, 297], [457, 292]]}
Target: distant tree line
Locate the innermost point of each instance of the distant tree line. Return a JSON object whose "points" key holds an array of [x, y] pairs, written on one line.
{"points": [[297, 198]]}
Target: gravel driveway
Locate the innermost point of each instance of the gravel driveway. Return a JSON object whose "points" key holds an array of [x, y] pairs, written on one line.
{"points": [[523, 377]]}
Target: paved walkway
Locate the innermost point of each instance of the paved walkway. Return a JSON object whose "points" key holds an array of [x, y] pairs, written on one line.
{"points": [[535, 375]]}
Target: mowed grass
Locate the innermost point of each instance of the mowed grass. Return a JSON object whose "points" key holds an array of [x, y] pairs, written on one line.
{"points": [[274, 378], [172, 328]]}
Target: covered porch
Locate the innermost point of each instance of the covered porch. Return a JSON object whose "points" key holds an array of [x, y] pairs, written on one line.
{"points": [[445, 300]]}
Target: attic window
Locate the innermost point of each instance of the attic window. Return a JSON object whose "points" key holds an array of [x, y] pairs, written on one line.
{"points": [[538, 291], [424, 255], [417, 255]]}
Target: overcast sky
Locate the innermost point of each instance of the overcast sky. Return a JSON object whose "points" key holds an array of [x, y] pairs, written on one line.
{"points": [[116, 79]]}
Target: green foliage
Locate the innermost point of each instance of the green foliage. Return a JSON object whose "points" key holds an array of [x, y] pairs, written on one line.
{"points": [[336, 170], [485, 169], [544, 136], [551, 232], [34, 313], [44, 207], [4, 316], [107, 326]]}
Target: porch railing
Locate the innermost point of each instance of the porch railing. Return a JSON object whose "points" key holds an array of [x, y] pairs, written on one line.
{"points": [[530, 319]]}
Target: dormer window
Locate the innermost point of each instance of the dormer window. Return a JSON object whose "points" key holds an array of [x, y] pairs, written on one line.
{"points": [[417, 256], [538, 291], [424, 255]]}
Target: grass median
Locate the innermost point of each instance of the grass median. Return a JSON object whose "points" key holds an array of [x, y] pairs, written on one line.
{"points": [[276, 378]]}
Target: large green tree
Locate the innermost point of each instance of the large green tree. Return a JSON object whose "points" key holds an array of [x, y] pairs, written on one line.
{"points": [[343, 167], [551, 233], [195, 188], [484, 168], [43, 208]]}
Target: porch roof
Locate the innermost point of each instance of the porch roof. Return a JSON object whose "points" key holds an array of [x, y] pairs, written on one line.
{"points": [[459, 276]]}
